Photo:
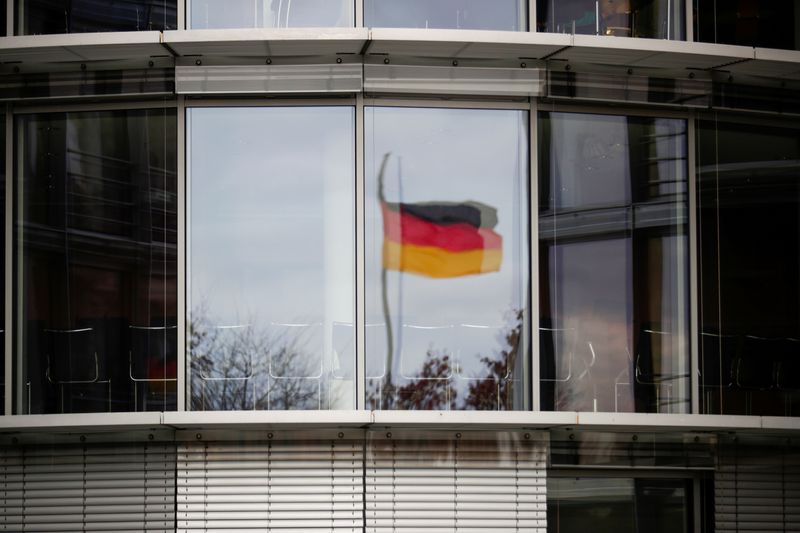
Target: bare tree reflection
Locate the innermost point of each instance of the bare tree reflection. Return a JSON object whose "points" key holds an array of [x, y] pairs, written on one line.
{"points": [[248, 367], [432, 389], [435, 384], [495, 391]]}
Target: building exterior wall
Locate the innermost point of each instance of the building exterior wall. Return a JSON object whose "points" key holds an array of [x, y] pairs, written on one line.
{"points": [[514, 266]]}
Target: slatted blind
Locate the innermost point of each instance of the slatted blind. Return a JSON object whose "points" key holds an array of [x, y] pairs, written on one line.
{"points": [[276, 486], [456, 484], [757, 490], [126, 487]]}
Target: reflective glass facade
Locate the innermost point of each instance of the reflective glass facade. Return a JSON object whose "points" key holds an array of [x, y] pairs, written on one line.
{"points": [[613, 263], [95, 273], [446, 258], [269, 14], [36, 17], [654, 19], [774, 24], [749, 224], [352, 266], [618, 504], [271, 259], [506, 15]]}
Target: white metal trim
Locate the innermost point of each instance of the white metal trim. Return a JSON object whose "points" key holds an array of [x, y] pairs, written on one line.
{"points": [[360, 269], [694, 305], [689, 21], [228, 35], [67, 40], [358, 16], [532, 26], [9, 18], [183, 269], [60, 422], [533, 250], [184, 7], [347, 100], [376, 101], [424, 420]]}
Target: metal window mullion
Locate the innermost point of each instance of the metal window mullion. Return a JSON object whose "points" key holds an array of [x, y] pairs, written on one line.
{"points": [[358, 19], [532, 16], [9, 17], [448, 104], [688, 17], [271, 102], [360, 281], [694, 308], [14, 147], [533, 161], [183, 13], [8, 258], [183, 272]]}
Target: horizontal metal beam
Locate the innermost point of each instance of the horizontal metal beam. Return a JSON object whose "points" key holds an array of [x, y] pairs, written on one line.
{"points": [[471, 420]]}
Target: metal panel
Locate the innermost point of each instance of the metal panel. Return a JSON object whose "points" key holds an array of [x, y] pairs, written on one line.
{"points": [[757, 490], [453, 80], [275, 486], [88, 488], [458, 44], [81, 47], [267, 42], [268, 79], [438, 482]]}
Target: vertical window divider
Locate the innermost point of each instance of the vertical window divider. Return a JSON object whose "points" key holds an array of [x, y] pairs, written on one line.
{"points": [[8, 258], [183, 274], [9, 17], [533, 250], [694, 308], [532, 16], [689, 20], [358, 20], [360, 316], [182, 14]]}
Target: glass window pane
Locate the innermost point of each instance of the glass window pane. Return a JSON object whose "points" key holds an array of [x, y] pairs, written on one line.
{"points": [[656, 19], [269, 13], [749, 222], [84, 16], [446, 258], [3, 266], [507, 15], [272, 258], [95, 243], [621, 505], [613, 263], [773, 24]]}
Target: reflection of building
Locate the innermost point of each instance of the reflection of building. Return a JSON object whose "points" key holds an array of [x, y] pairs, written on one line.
{"points": [[200, 331]]}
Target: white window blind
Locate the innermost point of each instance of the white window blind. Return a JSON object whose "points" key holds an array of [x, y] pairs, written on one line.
{"points": [[456, 484], [278, 486], [112, 487], [758, 490]]}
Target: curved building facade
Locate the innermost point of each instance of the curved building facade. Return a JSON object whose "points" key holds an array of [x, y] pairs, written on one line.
{"points": [[400, 265]]}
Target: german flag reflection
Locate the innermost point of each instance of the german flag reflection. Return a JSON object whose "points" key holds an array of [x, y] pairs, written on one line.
{"points": [[441, 239]]}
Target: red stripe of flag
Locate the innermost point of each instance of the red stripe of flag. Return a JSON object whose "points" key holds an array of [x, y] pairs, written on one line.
{"points": [[405, 228]]}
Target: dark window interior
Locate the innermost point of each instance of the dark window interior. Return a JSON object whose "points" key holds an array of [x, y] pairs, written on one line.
{"points": [[83, 16], [772, 24], [749, 224], [96, 236]]}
